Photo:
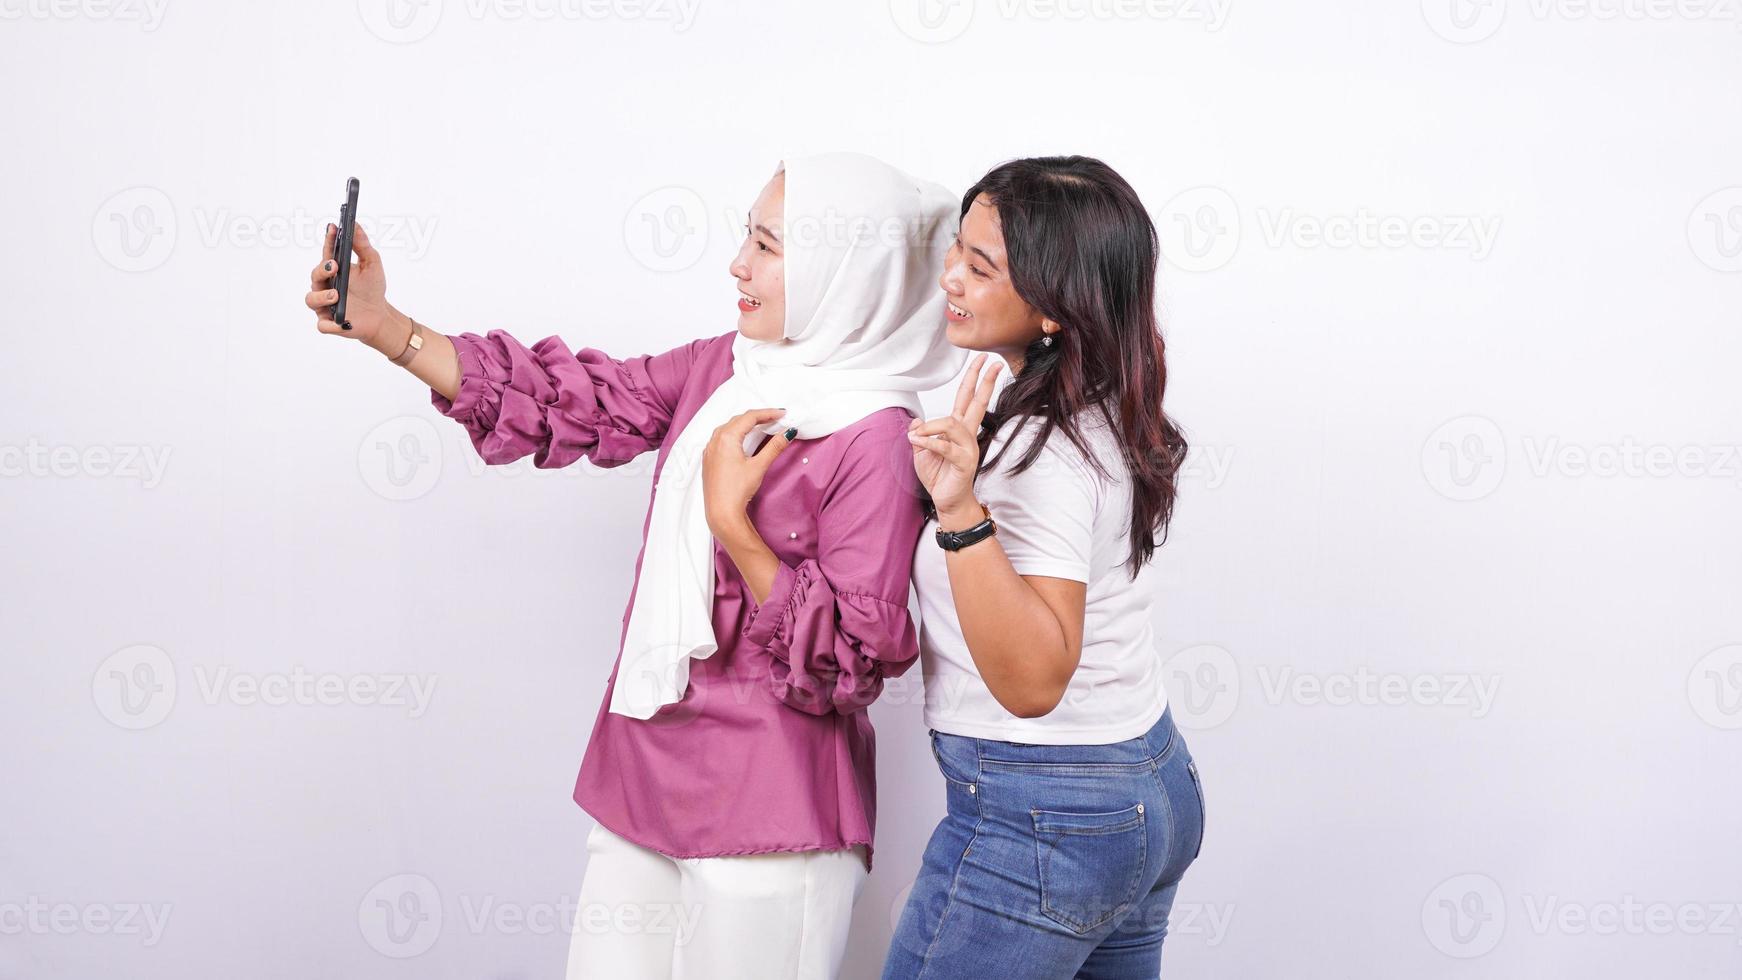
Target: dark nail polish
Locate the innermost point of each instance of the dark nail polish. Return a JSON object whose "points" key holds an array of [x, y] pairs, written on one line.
{"points": [[345, 326], [329, 267], [790, 433]]}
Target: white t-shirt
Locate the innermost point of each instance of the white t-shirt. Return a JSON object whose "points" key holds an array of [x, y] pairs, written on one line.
{"points": [[1060, 519]]}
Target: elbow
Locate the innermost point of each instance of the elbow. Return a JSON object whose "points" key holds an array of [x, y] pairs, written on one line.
{"points": [[1038, 708], [1035, 683], [1033, 699]]}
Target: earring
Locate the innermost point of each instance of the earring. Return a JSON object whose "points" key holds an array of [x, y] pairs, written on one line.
{"points": [[1048, 341]]}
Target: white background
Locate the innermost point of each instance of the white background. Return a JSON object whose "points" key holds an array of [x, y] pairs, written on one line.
{"points": [[1426, 462]]}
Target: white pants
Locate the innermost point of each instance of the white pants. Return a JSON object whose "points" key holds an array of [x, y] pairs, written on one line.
{"points": [[645, 916]]}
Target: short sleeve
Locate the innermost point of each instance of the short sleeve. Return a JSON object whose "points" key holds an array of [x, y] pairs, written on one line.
{"points": [[1045, 514]]}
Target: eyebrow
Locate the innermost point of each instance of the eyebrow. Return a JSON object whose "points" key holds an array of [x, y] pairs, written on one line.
{"points": [[764, 229], [977, 250]]}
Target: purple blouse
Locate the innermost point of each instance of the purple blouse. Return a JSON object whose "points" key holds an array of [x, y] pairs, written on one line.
{"points": [[770, 749]]}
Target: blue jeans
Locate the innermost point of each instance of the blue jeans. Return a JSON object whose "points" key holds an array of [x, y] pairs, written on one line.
{"points": [[1053, 861]]}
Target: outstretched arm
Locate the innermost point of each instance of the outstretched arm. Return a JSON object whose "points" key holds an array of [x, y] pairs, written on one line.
{"points": [[514, 400]]}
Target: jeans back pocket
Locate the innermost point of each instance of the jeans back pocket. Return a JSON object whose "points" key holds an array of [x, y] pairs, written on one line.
{"points": [[1091, 864]]}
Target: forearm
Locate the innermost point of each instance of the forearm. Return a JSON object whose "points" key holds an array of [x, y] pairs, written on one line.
{"points": [[436, 365], [755, 562], [1014, 637]]}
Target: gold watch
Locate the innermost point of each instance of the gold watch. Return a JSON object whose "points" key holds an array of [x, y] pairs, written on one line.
{"points": [[413, 344]]}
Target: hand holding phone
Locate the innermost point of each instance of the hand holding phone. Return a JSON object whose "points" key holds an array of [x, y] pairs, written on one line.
{"points": [[342, 249], [349, 298]]}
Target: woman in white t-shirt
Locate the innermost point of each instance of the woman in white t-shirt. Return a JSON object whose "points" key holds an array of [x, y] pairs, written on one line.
{"points": [[1074, 807]]}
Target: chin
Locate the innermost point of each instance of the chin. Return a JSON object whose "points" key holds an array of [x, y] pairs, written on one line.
{"points": [[751, 328]]}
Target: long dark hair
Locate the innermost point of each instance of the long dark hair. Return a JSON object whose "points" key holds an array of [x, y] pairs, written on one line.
{"points": [[1082, 251]]}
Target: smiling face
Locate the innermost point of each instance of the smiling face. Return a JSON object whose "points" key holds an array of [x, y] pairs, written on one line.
{"points": [[760, 266], [985, 312]]}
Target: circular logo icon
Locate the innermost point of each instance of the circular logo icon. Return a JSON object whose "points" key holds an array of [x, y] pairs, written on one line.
{"points": [[897, 905], [134, 687], [1199, 229], [401, 459], [1465, 916], [1203, 686], [932, 21], [401, 916], [925, 899], [134, 230], [667, 229], [1715, 688], [656, 675], [400, 21], [1464, 459], [1715, 230], [1464, 21]]}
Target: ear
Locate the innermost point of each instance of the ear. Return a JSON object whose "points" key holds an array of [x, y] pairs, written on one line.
{"points": [[1049, 326]]}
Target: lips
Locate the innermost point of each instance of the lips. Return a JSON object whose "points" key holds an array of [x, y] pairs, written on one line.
{"points": [[748, 303], [955, 312]]}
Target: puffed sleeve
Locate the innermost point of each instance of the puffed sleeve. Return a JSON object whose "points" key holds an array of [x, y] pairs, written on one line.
{"points": [[837, 625], [543, 399]]}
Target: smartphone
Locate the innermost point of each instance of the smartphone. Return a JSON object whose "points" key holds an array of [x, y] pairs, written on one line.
{"points": [[342, 248]]}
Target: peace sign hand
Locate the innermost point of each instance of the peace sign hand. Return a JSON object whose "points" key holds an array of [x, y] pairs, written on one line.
{"points": [[946, 451]]}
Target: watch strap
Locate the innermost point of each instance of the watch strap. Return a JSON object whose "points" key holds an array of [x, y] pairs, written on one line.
{"points": [[957, 540], [413, 344]]}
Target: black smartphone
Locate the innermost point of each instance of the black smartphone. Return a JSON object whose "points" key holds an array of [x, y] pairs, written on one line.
{"points": [[342, 248]]}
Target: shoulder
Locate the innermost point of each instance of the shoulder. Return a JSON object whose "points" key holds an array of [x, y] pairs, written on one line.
{"points": [[1016, 439], [1060, 466], [874, 434], [682, 376], [712, 351], [873, 451], [706, 355], [690, 372], [885, 423]]}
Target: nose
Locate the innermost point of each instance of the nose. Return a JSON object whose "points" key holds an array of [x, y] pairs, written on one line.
{"points": [[740, 268], [951, 279]]}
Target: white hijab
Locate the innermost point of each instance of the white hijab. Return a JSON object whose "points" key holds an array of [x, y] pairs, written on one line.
{"points": [[863, 244]]}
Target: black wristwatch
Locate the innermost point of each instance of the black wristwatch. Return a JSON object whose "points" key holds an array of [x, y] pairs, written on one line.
{"points": [[957, 540]]}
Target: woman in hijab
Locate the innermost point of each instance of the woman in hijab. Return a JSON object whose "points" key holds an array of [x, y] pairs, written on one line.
{"points": [[730, 768]]}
